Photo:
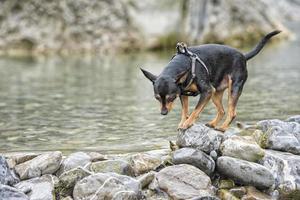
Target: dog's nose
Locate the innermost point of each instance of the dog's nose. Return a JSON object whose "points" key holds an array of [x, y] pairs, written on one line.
{"points": [[164, 112]]}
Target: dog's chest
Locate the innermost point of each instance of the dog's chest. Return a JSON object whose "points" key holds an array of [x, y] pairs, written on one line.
{"points": [[191, 88]]}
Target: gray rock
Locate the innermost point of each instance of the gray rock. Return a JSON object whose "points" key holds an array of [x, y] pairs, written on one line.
{"points": [[95, 156], [7, 176], [146, 179], [290, 127], [245, 172], [184, 182], [47, 163], [285, 169], [201, 137], [68, 179], [196, 158], [144, 162], [10, 193], [117, 166], [17, 158], [107, 186], [244, 148], [295, 118], [39, 188], [78, 159], [279, 139]]}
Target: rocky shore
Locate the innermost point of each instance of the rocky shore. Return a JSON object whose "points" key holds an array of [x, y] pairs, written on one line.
{"points": [[250, 162]]}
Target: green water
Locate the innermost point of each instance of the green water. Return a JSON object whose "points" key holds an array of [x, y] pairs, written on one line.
{"points": [[105, 104]]}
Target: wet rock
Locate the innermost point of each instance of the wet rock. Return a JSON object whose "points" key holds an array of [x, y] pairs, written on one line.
{"points": [[226, 184], [194, 157], [46, 163], [95, 156], [67, 198], [244, 148], [183, 182], [143, 163], [239, 192], [7, 176], [277, 138], [146, 179], [39, 188], [201, 137], [254, 194], [245, 172], [107, 186], [117, 166], [290, 127], [68, 179], [78, 159], [285, 169], [225, 194], [14, 159], [10, 193], [295, 118]]}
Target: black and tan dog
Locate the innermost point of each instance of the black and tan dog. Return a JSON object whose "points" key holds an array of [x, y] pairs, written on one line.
{"points": [[207, 70]]}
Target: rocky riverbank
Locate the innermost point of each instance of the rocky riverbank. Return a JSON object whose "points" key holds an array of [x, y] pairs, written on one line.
{"points": [[249, 162]]}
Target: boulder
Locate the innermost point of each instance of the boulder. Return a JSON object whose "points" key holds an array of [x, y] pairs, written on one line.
{"points": [[144, 162], [285, 169], [201, 137], [183, 182], [295, 118], [78, 159], [194, 157], [47, 163], [277, 138], [10, 193], [107, 186], [117, 166], [95, 156], [289, 127], [245, 172], [39, 188], [253, 193], [68, 179], [14, 159], [7, 176], [244, 148], [146, 179]]}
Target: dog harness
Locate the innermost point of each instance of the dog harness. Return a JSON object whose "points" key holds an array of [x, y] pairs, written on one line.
{"points": [[182, 49]]}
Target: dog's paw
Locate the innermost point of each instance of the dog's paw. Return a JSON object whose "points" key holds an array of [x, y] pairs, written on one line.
{"points": [[220, 129], [210, 125]]}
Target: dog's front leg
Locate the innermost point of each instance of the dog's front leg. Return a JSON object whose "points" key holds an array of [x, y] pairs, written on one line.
{"points": [[204, 98], [185, 110]]}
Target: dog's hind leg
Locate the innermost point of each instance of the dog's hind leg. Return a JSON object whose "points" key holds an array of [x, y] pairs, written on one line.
{"points": [[185, 110], [234, 91], [217, 97]]}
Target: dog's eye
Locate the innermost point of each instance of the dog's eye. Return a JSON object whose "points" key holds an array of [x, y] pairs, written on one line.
{"points": [[157, 97], [172, 98]]}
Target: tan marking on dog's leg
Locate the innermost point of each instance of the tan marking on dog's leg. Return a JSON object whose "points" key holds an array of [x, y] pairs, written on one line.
{"points": [[195, 114], [217, 100], [231, 108], [185, 110]]}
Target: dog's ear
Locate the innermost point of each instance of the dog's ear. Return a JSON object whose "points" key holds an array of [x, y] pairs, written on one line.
{"points": [[182, 77], [149, 75]]}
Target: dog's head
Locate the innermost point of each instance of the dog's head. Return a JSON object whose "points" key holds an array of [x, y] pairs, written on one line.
{"points": [[166, 89]]}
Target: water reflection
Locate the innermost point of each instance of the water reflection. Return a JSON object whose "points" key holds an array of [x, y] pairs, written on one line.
{"points": [[105, 104]]}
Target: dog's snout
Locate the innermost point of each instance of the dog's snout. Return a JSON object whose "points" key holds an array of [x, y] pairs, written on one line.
{"points": [[164, 111]]}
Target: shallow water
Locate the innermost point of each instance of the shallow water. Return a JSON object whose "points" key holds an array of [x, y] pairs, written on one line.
{"points": [[105, 104]]}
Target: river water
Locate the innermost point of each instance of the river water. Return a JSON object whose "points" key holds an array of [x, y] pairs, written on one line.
{"points": [[105, 104]]}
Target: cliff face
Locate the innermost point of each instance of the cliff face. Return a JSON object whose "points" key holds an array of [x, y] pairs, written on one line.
{"points": [[65, 26], [68, 26]]}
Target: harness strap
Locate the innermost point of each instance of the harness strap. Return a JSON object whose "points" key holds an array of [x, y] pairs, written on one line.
{"points": [[182, 49]]}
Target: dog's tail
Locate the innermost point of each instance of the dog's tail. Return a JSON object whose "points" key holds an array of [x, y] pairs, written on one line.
{"points": [[260, 45]]}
